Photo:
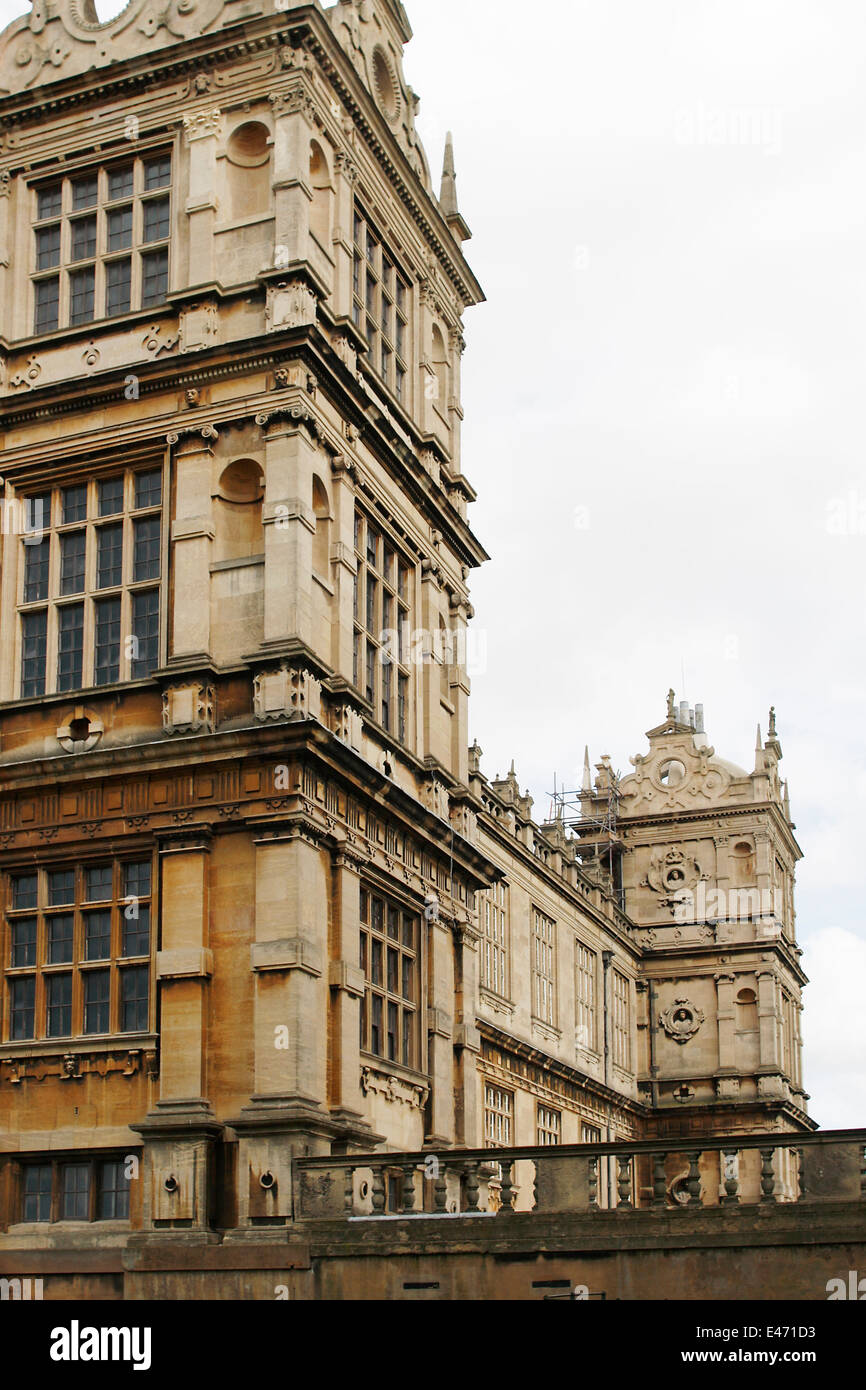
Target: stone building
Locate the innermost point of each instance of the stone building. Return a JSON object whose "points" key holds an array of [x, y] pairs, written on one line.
{"points": [[259, 899]]}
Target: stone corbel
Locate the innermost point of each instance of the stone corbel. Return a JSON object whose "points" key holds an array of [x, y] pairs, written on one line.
{"points": [[188, 963], [347, 978], [439, 1023], [291, 953]]}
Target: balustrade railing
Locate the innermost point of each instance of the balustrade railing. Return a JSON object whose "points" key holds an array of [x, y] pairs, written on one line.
{"points": [[624, 1177]]}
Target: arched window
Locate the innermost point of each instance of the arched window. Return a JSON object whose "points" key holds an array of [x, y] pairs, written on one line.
{"points": [[320, 182], [322, 538], [440, 369]]}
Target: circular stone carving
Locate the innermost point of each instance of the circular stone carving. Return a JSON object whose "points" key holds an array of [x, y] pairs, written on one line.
{"points": [[385, 82], [81, 732], [672, 773], [681, 1020]]}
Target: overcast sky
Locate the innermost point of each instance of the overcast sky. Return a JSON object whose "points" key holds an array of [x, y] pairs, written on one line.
{"points": [[664, 402]]}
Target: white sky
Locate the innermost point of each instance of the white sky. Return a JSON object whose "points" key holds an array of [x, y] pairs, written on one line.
{"points": [[665, 406]]}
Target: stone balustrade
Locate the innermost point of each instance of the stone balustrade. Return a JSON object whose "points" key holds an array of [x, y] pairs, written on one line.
{"points": [[662, 1175]]}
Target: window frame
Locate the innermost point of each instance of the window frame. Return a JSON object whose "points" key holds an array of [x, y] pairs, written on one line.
{"points": [[498, 1112], [586, 999], [66, 218], [382, 306], [622, 1020], [548, 1125], [76, 963], [496, 940], [47, 669], [380, 998], [95, 1165], [378, 584], [543, 947]]}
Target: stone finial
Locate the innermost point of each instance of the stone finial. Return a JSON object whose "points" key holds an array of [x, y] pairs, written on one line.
{"points": [[448, 191], [476, 753]]}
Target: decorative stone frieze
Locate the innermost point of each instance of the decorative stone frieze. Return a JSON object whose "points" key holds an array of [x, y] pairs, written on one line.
{"points": [[289, 304], [287, 693], [393, 1088], [198, 326], [188, 709], [348, 725]]}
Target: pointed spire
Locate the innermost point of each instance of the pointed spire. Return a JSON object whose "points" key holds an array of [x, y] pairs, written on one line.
{"points": [[448, 193], [759, 746], [786, 800], [587, 771]]}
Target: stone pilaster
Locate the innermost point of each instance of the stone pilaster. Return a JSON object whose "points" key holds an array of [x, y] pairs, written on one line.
{"points": [[727, 1023], [192, 535], [5, 253], [178, 1173], [467, 1040], [289, 525], [440, 1034], [293, 195], [344, 566], [459, 686], [347, 985], [435, 736], [768, 1020], [203, 132]]}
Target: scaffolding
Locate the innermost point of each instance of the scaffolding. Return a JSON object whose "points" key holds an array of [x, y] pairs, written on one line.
{"points": [[592, 815]]}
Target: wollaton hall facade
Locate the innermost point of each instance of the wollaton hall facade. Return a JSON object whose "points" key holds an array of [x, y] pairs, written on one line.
{"points": [[259, 900]]}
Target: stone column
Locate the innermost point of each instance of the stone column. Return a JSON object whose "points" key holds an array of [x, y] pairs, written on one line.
{"points": [[440, 1030], [288, 959], [768, 1020], [434, 740], [344, 567], [11, 310], [184, 965], [467, 1039], [179, 1194], [457, 344], [726, 1015], [287, 1114], [293, 195], [764, 865], [289, 526], [192, 535], [347, 985], [203, 132], [460, 686], [346, 175]]}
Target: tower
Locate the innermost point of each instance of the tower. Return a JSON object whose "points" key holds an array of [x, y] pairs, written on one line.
{"points": [[706, 862], [238, 855]]}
